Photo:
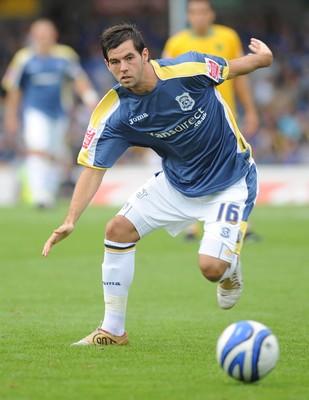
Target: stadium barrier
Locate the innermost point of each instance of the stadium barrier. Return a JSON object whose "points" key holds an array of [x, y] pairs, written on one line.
{"points": [[280, 184]]}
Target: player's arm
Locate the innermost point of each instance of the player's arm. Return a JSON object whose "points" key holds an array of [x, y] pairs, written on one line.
{"points": [[11, 111], [86, 187], [85, 91], [260, 57], [82, 84]]}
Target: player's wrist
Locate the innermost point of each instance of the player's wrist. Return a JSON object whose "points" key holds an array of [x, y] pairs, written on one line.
{"points": [[90, 97]]}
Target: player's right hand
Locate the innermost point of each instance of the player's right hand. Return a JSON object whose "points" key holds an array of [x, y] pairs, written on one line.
{"points": [[59, 234]]}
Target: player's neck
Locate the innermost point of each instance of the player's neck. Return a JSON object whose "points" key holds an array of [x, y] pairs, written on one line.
{"points": [[201, 32], [43, 50]]}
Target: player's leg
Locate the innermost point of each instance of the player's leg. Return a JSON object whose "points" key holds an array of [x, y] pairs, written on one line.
{"points": [[45, 156], [153, 206], [219, 253], [59, 154], [36, 131], [117, 275], [220, 264]]}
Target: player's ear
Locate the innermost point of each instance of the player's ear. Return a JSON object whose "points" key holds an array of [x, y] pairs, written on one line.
{"points": [[145, 55]]}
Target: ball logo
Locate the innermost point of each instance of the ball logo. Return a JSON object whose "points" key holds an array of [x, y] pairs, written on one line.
{"points": [[247, 351], [185, 101]]}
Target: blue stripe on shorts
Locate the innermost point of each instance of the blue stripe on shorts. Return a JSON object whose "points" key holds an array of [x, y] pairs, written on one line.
{"points": [[252, 186]]}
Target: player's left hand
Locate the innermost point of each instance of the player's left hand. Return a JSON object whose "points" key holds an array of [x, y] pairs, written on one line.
{"points": [[59, 234], [259, 47]]}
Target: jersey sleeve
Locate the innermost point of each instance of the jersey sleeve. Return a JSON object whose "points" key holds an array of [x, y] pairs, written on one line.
{"points": [[74, 69], [214, 68], [217, 68], [101, 147], [13, 76]]}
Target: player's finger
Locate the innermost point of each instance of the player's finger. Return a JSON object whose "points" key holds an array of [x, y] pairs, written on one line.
{"points": [[46, 249], [55, 238]]}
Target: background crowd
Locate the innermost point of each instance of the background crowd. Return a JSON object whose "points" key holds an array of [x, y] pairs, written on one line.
{"points": [[281, 92]]}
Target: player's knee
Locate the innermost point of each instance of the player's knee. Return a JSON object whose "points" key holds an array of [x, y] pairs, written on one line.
{"points": [[212, 268], [121, 230], [114, 230]]}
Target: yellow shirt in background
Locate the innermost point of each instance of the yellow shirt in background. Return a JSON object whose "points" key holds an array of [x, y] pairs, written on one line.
{"points": [[220, 41]]}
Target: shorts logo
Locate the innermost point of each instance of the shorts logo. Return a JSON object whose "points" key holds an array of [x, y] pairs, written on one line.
{"points": [[142, 194], [89, 135], [185, 101], [225, 232]]}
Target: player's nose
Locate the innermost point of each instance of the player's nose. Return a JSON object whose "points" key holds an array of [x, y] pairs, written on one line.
{"points": [[123, 65]]}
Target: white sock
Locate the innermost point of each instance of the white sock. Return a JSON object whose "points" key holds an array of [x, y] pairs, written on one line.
{"points": [[36, 168], [117, 273], [229, 270]]}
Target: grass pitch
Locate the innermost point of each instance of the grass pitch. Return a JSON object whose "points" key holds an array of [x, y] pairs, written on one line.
{"points": [[173, 320]]}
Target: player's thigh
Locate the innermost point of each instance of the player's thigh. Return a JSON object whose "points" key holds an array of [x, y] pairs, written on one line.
{"points": [[157, 205], [36, 130], [226, 218], [57, 137]]}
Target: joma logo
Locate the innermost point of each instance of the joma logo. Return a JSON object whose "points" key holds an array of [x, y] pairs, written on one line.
{"points": [[137, 118]]}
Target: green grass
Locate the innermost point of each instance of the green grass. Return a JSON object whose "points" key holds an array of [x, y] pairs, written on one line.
{"points": [[173, 320]]}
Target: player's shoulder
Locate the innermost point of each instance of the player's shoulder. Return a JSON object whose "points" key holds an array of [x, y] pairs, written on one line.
{"points": [[187, 57], [106, 106], [65, 51], [23, 55], [112, 95], [225, 30], [186, 65]]}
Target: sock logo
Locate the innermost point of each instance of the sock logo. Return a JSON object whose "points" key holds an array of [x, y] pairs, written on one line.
{"points": [[111, 283]]}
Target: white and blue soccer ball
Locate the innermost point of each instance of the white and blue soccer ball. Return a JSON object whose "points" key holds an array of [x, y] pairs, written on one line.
{"points": [[247, 351]]}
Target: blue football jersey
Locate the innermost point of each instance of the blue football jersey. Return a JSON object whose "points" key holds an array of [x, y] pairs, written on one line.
{"points": [[44, 80], [184, 120]]}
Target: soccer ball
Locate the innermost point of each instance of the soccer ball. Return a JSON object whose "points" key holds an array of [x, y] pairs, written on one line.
{"points": [[247, 350]]}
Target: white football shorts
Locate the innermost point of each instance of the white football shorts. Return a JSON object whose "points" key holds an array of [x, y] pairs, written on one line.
{"points": [[157, 204], [43, 133]]}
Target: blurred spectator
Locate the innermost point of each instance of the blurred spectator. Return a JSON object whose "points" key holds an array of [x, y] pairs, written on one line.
{"points": [[39, 84], [206, 36], [288, 78]]}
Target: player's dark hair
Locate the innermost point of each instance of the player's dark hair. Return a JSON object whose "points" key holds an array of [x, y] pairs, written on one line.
{"points": [[116, 35], [201, 1]]}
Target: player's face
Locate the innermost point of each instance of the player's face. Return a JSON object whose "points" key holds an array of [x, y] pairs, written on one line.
{"points": [[127, 65], [43, 35], [200, 16]]}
